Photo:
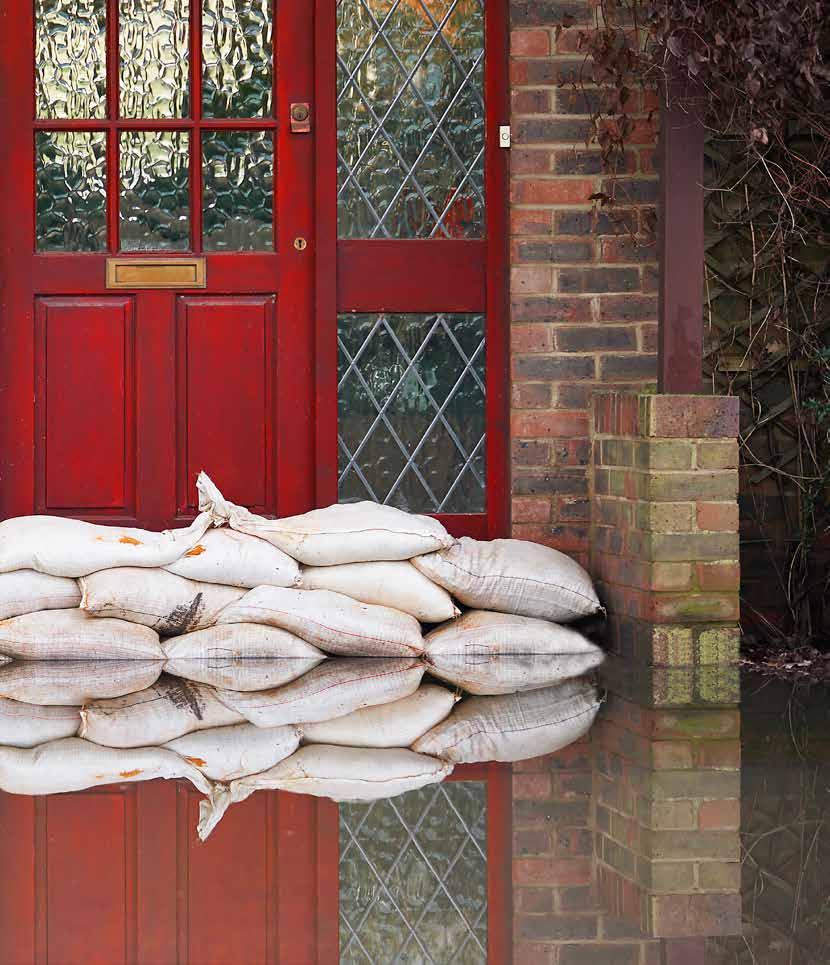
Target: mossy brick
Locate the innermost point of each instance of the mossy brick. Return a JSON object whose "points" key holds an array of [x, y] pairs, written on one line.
{"points": [[682, 785], [669, 486], [651, 454], [693, 547], [693, 915], [672, 645], [671, 685], [686, 846], [719, 876], [722, 575], [666, 876], [718, 685], [718, 517], [665, 517], [696, 607], [688, 724], [719, 814], [721, 454], [718, 645], [691, 416]]}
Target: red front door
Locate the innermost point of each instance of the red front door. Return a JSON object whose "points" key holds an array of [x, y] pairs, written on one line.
{"points": [[157, 263], [196, 274]]}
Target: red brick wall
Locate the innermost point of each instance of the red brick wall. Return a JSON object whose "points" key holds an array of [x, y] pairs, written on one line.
{"points": [[583, 287]]}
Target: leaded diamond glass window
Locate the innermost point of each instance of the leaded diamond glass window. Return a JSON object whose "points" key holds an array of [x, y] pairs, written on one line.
{"points": [[413, 877], [411, 400], [410, 118]]}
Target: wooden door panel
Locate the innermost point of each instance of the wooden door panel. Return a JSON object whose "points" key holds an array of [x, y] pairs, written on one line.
{"points": [[85, 401], [225, 397], [232, 907], [88, 898]]}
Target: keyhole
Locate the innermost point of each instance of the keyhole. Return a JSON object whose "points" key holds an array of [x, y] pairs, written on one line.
{"points": [[300, 244]]}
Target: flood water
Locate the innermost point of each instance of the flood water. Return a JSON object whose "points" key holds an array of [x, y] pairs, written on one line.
{"points": [[673, 752]]}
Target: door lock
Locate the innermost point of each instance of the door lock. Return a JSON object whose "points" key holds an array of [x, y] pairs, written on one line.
{"points": [[300, 118]]}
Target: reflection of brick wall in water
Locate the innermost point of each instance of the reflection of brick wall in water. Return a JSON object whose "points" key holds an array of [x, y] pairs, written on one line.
{"points": [[558, 914]]}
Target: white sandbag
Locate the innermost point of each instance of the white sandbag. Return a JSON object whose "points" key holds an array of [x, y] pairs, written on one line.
{"points": [[75, 635], [26, 591], [241, 656], [513, 727], [73, 765], [334, 689], [331, 621], [342, 533], [27, 725], [168, 709], [168, 603], [394, 584], [242, 673], [513, 576], [236, 559], [71, 547], [63, 683], [339, 773], [397, 724], [498, 653], [227, 753]]}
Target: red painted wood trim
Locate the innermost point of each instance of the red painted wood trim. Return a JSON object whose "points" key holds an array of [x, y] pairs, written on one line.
{"points": [[17, 241], [328, 883], [497, 95], [680, 311], [499, 781], [295, 154], [412, 276], [325, 322]]}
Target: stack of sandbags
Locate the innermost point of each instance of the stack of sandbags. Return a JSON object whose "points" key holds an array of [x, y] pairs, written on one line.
{"points": [[284, 653]]}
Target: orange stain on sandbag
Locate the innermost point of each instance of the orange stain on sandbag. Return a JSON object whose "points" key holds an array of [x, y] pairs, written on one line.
{"points": [[138, 770], [197, 761], [130, 541], [196, 551]]}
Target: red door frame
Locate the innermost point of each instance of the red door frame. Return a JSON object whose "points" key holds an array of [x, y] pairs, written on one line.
{"points": [[416, 275]]}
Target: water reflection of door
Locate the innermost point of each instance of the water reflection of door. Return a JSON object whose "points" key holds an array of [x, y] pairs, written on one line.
{"points": [[168, 260]]}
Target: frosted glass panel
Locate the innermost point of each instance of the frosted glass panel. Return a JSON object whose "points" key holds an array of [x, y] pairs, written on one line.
{"points": [[236, 55], [70, 170], [410, 118], [411, 400], [155, 206], [154, 38], [413, 877], [70, 58], [238, 171]]}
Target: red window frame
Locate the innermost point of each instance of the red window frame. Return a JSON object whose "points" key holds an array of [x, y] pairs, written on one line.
{"points": [[441, 275]]}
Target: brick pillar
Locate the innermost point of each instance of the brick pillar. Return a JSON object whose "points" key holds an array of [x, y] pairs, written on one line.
{"points": [[667, 752]]}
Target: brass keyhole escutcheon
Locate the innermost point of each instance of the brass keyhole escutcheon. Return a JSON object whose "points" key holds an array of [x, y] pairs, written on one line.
{"points": [[300, 118], [300, 244]]}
